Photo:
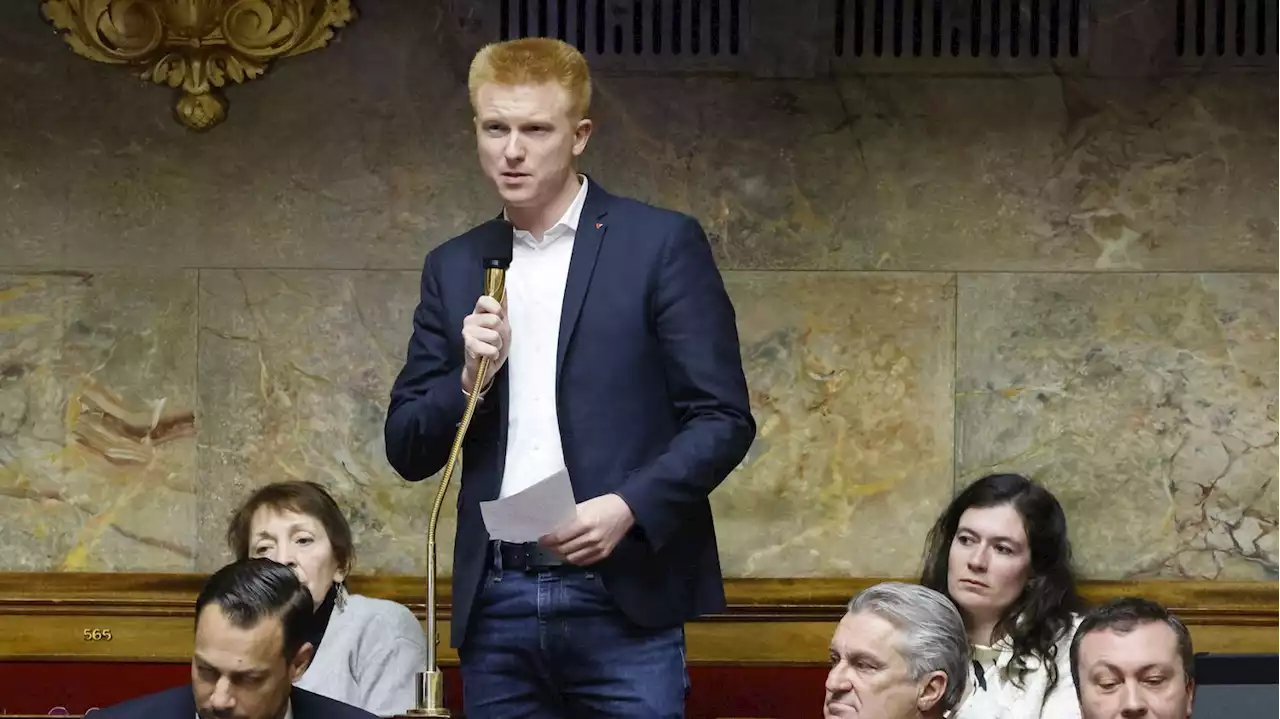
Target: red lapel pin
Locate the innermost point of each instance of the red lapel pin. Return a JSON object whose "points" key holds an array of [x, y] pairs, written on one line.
{"points": [[598, 225]]}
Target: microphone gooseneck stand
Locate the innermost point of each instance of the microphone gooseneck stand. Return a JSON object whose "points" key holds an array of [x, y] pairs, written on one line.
{"points": [[429, 684]]}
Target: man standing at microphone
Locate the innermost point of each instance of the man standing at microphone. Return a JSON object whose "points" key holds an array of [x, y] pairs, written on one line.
{"points": [[615, 356]]}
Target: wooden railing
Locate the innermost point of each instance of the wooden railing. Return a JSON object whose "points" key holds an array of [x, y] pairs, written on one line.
{"points": [[148, 617]]}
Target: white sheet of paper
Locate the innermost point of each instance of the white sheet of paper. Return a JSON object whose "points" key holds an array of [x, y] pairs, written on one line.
{"points": [[532, 512]]}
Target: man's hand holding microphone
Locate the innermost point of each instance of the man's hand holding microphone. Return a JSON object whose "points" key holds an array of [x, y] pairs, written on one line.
{"points": [[485, 334]]}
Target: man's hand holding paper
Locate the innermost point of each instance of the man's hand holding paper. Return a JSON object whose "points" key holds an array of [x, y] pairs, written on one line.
{"points": [[600, 524]]}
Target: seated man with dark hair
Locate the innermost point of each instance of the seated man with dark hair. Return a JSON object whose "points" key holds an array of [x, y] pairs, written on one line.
{"points": [[1131, 658], [251, 622]]}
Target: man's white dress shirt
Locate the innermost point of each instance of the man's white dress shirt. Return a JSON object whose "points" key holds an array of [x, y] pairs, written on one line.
{"points": [[535, 295]]}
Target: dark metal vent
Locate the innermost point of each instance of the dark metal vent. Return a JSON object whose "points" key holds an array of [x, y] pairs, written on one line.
{"points": [[1237, 31], [635, 34], [1013, 34]]}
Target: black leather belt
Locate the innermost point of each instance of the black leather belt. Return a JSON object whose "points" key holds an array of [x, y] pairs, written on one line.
{"points": [[528, 557]]}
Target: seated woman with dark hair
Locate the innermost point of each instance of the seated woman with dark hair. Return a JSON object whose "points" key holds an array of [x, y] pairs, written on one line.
{"points": [[1000, 552], [367, 651]]}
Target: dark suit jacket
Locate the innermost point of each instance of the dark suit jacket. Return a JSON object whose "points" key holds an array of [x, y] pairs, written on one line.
{"points": [[180, 703], [651, 399]]}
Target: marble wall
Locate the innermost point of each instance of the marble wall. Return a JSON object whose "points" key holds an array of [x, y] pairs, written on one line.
{"points": [[936, 278]]}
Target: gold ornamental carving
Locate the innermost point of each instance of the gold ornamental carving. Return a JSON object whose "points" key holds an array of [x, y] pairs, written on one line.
{"points": [[199, 46]]}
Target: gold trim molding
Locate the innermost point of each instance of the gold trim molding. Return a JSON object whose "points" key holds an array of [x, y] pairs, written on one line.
{"points": [[148, 617], [199, 46]]}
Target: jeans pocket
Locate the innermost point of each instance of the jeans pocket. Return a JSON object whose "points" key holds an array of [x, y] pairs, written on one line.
{"points": [[487, 580]]}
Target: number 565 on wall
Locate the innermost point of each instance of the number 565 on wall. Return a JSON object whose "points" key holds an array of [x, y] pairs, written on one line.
{"points": [[97, 635]]}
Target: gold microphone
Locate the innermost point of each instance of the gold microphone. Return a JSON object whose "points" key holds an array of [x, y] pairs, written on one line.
{"points": [[495, 243]]}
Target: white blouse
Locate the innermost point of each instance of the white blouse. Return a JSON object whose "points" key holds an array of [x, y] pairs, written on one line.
{"points": [[1003, 699]]}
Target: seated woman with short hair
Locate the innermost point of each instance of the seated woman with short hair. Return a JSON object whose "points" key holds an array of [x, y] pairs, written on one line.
{"points": [[367, 651], [1000, 552]]}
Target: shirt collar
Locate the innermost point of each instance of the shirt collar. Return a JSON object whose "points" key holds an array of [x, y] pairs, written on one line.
{"points": [[566, 225]]}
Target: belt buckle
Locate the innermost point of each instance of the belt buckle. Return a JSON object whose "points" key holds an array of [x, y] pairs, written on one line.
{"points": [[536, 559], [518, 553]]}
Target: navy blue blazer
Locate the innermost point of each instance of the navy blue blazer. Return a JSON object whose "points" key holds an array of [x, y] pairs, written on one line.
{"points": [[180, 703], [650, 393]]}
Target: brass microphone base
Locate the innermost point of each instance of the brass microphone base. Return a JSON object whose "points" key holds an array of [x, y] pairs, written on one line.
{"points": [[430, 697]]}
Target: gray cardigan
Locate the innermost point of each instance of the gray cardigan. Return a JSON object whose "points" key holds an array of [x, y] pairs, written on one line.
{"points": [[369, 655]]}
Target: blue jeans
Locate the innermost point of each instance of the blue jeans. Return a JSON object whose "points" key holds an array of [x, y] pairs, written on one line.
{"points": [[553, 644]]}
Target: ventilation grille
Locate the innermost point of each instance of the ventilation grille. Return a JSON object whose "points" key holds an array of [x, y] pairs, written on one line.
{"points": [[959, 35], [636, 34], [1230, 32], [807, 38]]}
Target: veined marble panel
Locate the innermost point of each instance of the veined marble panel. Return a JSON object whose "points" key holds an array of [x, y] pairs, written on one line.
{"points": [[296, 369], [851, 385], [854, 407], [96, 173], [97, 421], [1146, 403], [905, 173], [958, 174]]}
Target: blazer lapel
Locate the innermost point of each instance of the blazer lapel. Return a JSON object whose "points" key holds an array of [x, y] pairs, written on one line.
{"points": [[582, 265]]}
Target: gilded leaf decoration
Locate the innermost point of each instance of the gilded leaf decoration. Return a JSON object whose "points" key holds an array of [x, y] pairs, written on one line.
{"points": [[198, 46]]}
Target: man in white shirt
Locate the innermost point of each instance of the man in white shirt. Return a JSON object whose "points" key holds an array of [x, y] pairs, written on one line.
{"points": [[615, 357], [1130, 658], [252, 618]]}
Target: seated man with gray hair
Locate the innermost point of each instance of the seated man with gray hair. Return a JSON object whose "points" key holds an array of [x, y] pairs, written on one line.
{"points": [[900, 652]]}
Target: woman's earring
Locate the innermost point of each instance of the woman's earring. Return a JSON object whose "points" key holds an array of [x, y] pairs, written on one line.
{"points": [[341, 600]]}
